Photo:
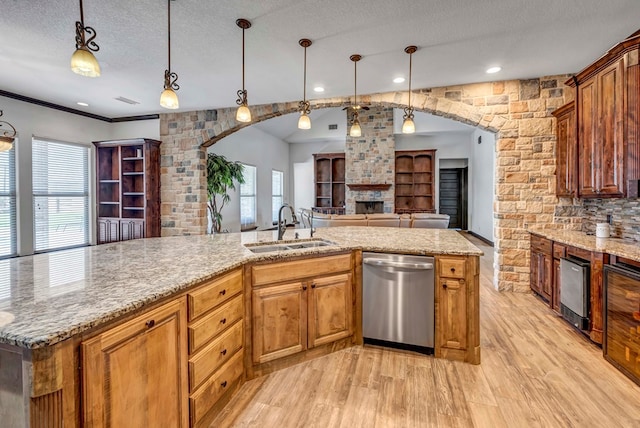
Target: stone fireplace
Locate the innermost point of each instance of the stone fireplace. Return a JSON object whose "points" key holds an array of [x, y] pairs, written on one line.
{"points": [[369, 207]]}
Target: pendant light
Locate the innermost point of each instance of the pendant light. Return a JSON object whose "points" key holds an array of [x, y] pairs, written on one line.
{"points": [[82, 61], [169, 98], [243, 114], [305, 108], [6, 137], [408, 127], [356, 130]]}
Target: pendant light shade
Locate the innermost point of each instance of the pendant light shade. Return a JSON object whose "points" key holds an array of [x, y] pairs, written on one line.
{"points": [[82, 61], [6, 137], [305, 108], [243, 114], [168, 97], [408, 127], [355, 130]]}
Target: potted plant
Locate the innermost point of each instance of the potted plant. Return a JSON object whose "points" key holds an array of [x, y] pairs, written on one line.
{"points": [[222, 176]]}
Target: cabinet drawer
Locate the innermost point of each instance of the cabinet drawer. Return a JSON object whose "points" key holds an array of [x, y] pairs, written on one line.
{"points": [[579, 252], [451, 268], [212, 356], [287, 271], [206, 328], [541, 244], [210, 295], [206, 396], [559, 250]]}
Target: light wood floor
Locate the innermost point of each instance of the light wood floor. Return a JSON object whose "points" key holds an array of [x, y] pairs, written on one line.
{"points": [[536, 371]]}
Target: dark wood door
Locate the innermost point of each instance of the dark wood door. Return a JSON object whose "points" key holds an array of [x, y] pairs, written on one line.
{"points": [[453, 196]]}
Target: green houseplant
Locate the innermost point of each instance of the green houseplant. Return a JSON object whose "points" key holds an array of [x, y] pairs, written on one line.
{"points": [[222, 176]]}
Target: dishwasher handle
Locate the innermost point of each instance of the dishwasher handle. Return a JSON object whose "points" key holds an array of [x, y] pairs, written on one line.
{"points": [[388, 263]]}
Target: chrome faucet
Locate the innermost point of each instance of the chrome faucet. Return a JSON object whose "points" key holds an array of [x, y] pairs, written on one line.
{"points": [[282, 222]]}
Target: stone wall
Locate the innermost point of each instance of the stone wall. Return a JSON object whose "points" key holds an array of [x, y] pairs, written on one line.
{"points": [[625, 216], [518, 111], [370, 159]]}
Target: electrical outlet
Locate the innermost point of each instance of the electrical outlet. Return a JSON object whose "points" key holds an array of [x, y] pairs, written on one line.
{"points": [[609, 219]]}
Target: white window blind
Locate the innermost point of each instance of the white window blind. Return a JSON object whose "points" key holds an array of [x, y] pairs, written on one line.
{"points": [[248, 198], [60, 195], [8, 225], [277, 190]]}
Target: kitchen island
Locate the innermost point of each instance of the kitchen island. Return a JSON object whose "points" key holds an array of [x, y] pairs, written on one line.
{"points": [[58, 309]]}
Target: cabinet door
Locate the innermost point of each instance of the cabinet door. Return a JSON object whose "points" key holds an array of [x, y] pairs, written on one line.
{"points": [[108, 231], [135, 374], [330, 309], [131, 229], [452, 322], [546, 275], [566, 160], [279, 321], [534, 264], [588, 122], [610, 131], [555, 289]]}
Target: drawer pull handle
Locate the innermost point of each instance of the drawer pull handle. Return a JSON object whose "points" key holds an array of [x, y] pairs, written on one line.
{"points": [[223, 292], [313, 285], [304, 287], [224, 384], [223, 321], [223, 352], [444, 285], [453, 270], [150, 323]]}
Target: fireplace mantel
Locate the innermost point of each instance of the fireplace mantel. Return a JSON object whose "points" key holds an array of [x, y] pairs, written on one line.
{"points": [[356, 187]]}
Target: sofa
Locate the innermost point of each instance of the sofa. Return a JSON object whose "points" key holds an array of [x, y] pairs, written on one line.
{"points": [[415, 220]]}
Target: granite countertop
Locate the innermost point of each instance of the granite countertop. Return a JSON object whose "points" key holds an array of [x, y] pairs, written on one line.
{"points": [[47, 298], [615, 246]]}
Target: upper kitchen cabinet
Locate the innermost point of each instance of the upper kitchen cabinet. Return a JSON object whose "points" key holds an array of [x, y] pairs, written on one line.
{"points": [[566, 151], [128, 189], [607, 107]]}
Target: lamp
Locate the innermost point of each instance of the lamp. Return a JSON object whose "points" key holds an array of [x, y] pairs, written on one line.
{"points": [[304, 122], [7, 137], [169, 98], [408, 127], [356, 130], [243, 114], [82, 61]]}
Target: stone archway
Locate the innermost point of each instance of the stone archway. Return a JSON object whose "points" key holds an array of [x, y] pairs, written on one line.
{"points": [[518, 111]]}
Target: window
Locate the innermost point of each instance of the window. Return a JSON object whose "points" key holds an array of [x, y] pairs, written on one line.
{"points": [[8, 203], [248, 198], [60, 195], [277, 190]]}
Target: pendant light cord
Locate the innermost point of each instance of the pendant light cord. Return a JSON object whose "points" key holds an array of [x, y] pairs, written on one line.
{"points": [[355, 84], [410, 64], [169, 32], [304, 89], [81, 13], [243, 59]]}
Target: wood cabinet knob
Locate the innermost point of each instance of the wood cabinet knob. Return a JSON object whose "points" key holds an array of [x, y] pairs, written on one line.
{"points": [[304, 287], [223, 352], [453, 270], [224, 384], [444, 285], [150, 323], [313, 285], [223, 292], [223, 321]]}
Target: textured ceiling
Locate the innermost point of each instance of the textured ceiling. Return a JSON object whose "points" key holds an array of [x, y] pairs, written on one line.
{"points": [[457, 40]]}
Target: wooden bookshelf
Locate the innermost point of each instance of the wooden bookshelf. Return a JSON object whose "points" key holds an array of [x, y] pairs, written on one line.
{"points": [[414, 181]]}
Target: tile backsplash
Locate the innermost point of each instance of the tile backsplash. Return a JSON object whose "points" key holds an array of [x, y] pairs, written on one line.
{"points": [[625, 216]]}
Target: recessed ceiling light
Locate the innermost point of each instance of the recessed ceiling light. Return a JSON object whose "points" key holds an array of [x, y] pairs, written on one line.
{"points": [[398, 80], [492, 70], [80, 103], [318, 89]]}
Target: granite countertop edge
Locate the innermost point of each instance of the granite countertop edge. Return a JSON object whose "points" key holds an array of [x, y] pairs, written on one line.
{"points": [[614, 246]]}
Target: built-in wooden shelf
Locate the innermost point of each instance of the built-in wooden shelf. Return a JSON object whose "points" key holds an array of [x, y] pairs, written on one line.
{"points": [[363, 187]]}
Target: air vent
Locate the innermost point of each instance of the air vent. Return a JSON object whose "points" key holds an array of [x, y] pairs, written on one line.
{"points": [[333, 127], [127, 100]]}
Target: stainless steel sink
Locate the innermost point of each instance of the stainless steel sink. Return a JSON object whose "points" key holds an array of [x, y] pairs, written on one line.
{"points": [[287, 246]]}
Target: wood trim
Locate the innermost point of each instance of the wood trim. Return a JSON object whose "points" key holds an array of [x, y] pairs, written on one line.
{"points": [[480, 237], [605, 60], [47, 410], [300, 269], [373, 187]]}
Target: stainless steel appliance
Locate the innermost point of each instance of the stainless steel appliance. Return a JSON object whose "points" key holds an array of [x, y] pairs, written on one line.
{"points": [[398, 299], [574, 291]]}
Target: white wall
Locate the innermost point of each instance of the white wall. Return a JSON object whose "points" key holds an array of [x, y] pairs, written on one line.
{"points": [[301, 156], [265, 152], [35, 121], [483, 164]]}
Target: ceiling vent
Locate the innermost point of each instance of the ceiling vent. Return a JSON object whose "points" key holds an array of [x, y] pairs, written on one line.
{"points": [[333, 127], [127, 100]]}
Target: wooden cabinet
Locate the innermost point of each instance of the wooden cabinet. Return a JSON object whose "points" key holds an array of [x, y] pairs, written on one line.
{"points": [[127, 189], [608, 129], [457, 317], [216, 336], [135, 374], [300, 305], [414, 181], [541, 266], [566, 151], [559, 251], [329, 174]]}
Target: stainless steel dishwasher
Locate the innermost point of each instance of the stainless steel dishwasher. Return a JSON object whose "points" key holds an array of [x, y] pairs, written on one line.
{"points": [[398, 299]]}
